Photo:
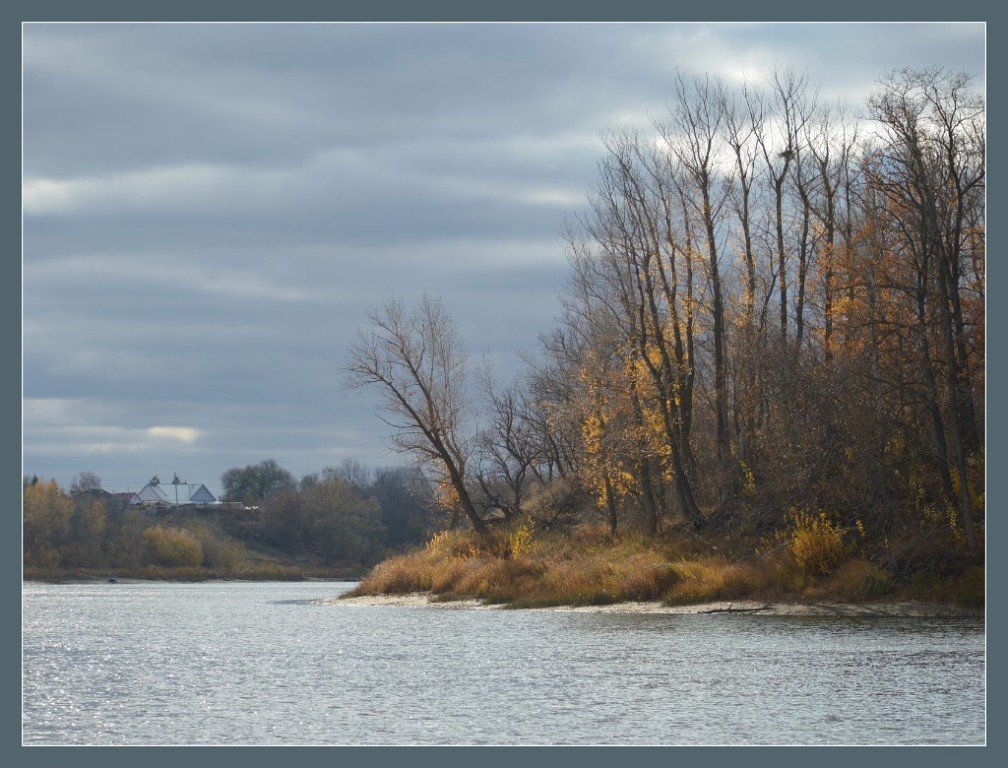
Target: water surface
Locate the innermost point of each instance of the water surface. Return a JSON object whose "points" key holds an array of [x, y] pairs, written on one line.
{"points": [[260, 663]]}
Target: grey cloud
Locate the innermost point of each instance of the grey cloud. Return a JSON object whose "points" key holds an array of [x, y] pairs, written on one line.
{"points": [[212, 210]]}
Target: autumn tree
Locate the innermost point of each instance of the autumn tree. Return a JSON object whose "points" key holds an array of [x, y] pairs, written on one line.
{"points": [[929, 169]]}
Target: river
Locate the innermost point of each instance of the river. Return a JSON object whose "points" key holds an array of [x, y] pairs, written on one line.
{"points": [[265, 663]]}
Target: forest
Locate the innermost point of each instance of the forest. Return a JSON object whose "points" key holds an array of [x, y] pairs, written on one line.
{"points": [[767, 375]]}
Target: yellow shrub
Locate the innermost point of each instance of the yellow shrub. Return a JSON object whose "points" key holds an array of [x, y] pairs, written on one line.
{"points": [[519, 540], [172, 547], [816, 543]]}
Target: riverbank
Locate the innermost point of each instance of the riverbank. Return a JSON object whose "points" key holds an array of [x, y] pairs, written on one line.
{"points": [[910, 609], [591, 569], [268, 572]]}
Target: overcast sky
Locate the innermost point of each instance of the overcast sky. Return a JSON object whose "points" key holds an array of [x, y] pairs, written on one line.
{"points": [[211, 210]]}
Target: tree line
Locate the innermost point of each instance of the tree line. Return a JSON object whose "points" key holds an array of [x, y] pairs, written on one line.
{"points": [[345, 512], [774, 303], [350, 516]]}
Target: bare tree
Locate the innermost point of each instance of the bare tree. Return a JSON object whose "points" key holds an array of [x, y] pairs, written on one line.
{"points": [[743, 119], [417, 360], [693, 134], [507, 447], [831, 139], [85, 482], [777, 125]]}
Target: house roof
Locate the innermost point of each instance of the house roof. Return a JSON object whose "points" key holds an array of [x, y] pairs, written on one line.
{"points": [[167, 493]]}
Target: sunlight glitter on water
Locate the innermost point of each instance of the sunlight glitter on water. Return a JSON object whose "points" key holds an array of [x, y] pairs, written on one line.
{"points": [[261, 663]]}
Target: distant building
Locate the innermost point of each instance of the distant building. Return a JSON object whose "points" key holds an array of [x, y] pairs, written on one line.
{"points": [[201, 496], [94, 493], [170, 495]]}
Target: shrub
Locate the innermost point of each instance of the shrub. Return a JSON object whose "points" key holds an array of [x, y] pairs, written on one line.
{"points": [[219, 553], [816, 543], [559, 504], [519, 540], [588, 535], [172, 547]]}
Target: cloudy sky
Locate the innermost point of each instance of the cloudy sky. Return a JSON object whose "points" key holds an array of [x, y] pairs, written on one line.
{"points": [[211, 210]]}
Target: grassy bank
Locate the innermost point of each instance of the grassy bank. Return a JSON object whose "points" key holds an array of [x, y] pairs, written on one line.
{"points": [[589, 567], [254, 572]]}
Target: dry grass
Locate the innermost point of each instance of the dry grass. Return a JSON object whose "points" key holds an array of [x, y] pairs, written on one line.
{"points": [[966, 589], [588, 567], [854, 581], [716, 578]]}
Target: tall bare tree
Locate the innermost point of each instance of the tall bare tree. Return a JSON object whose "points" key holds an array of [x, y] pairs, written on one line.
{"points": [[418, 361], [693, 133]]}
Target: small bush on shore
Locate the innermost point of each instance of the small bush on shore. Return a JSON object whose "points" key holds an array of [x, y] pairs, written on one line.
{"points": [[172, 547], [816, 542]]}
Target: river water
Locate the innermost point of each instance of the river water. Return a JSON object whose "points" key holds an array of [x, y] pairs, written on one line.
{"points": [[261, 663]]}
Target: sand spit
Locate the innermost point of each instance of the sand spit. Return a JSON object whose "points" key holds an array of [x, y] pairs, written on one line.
{"points": [[409, 600], [754, 607]]}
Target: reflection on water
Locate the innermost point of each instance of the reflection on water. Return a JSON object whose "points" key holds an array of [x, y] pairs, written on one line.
{"points": [[247, 663]]}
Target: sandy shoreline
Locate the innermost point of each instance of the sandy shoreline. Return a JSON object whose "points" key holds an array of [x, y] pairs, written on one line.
{"points": [[754, 607]]}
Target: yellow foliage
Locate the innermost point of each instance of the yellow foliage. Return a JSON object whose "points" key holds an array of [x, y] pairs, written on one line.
{"points": [[172, 547], [748, 479], [519, 540], [47, 518], [944, 516], [816, 543]]}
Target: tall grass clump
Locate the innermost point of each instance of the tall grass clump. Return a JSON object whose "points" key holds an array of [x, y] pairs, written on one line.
{"points": [[855, 580], [715, 577], [816, 542]]}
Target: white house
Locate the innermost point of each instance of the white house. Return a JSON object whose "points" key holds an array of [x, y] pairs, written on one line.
{"points": [[170, 495]]}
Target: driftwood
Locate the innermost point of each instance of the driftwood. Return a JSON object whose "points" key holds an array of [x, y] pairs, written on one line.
{"points": [[732, 609]]}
